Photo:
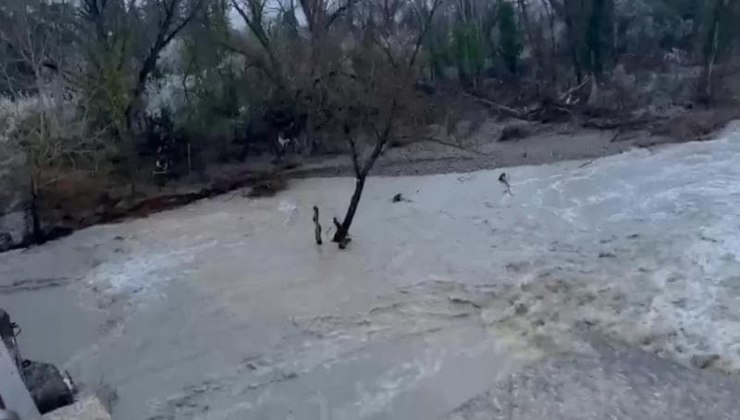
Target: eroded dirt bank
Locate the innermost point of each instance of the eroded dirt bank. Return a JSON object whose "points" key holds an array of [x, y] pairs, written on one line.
{"points": [[78, 200]]}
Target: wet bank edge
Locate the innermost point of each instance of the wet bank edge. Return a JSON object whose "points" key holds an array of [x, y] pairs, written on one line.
{"points": [[125, 209]]}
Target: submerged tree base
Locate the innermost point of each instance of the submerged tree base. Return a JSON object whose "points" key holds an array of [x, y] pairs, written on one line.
{"points": [[344, 242]]}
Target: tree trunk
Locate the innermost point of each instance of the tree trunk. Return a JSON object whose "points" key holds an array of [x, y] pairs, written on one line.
{"points": [[552, 55], [573, 46], [532, 38], [37, 234], [711, 50], [343, 230]]}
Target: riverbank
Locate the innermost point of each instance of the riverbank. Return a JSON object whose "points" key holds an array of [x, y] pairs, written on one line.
{"points": [[76, 202]]}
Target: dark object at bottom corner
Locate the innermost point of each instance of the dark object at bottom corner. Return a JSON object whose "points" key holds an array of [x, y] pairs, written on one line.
{"points": [[49, 387]]}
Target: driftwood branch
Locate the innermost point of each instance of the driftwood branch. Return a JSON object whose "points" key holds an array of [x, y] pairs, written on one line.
{"points": [[502, 109], [317, 225], [564, 97]]}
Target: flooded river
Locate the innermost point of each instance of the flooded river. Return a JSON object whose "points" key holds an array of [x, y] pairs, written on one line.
{"points": [[227, 309]]}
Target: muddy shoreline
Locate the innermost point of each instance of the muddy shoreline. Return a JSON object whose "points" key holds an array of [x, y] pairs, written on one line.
{"points": [[543, 144]]}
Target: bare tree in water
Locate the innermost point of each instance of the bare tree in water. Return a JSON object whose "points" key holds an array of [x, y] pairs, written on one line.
{"points": [[375, 98]]}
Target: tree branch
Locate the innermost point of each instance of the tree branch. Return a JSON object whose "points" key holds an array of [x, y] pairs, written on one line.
{"points": [[338, 13], [252, 23], [381, 139], [165, 34], [184, 22], [503, 109], [423, 32]]}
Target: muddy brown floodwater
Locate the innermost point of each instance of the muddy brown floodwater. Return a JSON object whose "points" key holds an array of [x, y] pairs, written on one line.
{"points": [[445, 305]]}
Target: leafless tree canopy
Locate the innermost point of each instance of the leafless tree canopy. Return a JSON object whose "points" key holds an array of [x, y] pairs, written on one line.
{"points": [[135, 89]]}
